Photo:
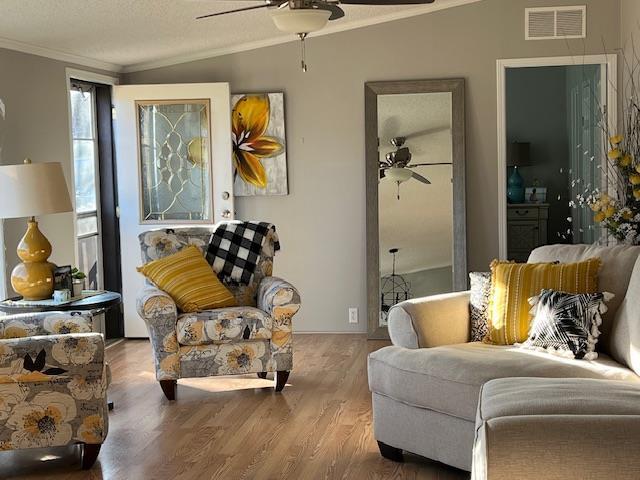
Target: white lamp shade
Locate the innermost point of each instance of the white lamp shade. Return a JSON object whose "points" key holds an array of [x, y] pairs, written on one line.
{"points": [[398, 174], [300, 20], [32, 189]]}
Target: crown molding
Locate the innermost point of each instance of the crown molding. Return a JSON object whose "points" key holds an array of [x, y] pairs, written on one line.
{"points": [[57, 55], [269, 42]]}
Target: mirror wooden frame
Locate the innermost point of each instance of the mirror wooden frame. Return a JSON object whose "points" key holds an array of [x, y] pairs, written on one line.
{"points": [[456, 87]]}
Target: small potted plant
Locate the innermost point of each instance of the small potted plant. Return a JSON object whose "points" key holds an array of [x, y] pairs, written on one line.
{"points": [[78, 281]]}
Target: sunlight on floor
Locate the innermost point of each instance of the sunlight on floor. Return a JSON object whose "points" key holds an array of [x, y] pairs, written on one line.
{"points": [[227, 384]]}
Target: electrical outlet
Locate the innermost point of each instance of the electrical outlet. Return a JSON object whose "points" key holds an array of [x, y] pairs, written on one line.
{"points": [[353, 315]]}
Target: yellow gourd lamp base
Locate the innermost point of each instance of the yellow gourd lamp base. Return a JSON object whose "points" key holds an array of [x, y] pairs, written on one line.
{"points": [[33, 278]]}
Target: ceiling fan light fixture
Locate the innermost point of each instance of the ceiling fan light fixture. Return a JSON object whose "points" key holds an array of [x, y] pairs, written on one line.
{"points": [[398, 174], [300, 20]]}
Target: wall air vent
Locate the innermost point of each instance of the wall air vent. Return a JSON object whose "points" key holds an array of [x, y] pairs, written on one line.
{"points": [[549, 23]]}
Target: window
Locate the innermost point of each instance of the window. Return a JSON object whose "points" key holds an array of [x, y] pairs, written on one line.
{"points": [[85, 167]]}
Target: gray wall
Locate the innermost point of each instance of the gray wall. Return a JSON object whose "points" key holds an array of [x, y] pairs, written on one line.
{"points": [[537, 113], [629, 24], [629, 38], [322, 222], [34, 92]]}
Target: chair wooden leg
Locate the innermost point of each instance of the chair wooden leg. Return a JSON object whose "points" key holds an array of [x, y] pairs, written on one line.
{"points": [[262, 375], [391, 453], [169, 387], [89, 454], [281, 379]]}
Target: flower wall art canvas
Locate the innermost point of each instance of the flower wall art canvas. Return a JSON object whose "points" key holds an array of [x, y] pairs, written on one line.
{"points": [[259, 148]]}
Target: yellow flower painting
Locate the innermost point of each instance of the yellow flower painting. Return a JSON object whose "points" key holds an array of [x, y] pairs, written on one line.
{"points": [[258, 136]]}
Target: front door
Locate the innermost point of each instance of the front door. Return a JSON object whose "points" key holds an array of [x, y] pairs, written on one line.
{"points": [[173, 151]]}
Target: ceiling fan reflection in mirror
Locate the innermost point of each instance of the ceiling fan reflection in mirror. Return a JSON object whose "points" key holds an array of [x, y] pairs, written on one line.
{"points": [[396, 166], [305, 16]]}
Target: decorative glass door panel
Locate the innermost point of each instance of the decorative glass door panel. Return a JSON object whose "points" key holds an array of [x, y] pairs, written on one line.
{"points": [[175, 161]]}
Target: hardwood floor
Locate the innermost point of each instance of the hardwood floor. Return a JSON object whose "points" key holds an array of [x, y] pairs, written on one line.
{"points": [[319, 427]]}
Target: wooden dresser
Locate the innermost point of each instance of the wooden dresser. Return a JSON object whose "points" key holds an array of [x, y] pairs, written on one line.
{"points": [[526, 229]]}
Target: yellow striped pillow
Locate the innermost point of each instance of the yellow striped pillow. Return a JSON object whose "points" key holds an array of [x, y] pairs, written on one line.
{"points": [[190, 281], [512, 284]]}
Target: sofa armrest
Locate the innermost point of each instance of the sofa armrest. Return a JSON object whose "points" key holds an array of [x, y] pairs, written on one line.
{"points": [[281, 301], [44, 357], [278, 298], [160, 313], [430, 321], [45, 323], [155, 306]]}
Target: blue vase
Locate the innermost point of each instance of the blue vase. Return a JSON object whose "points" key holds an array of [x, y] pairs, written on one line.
{"points": [[515, 188]]}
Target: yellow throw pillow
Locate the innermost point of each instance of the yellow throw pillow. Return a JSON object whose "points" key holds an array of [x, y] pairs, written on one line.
{"points": [[512, 284], [190, 281]]}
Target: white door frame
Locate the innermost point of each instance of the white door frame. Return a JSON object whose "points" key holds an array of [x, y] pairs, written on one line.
{"points": [[3, 264], [610, 88]]}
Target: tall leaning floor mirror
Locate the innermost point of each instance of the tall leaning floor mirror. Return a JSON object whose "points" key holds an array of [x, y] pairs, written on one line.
{"points": [[415, 187]]}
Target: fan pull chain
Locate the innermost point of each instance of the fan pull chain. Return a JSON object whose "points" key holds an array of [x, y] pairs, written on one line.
{"points": [[398, 186], [303, 53]]}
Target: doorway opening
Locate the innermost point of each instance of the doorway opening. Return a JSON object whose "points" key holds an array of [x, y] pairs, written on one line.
{"points": [[552, 117], [97, 233]]}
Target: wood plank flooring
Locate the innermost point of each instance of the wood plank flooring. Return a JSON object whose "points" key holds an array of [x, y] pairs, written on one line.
{"points": [[237, 427]]}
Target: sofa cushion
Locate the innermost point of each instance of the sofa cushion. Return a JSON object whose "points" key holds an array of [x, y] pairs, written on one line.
{"points": [[625, 335], [508, 397], [617, 264], [223, 325], [448, 379]]}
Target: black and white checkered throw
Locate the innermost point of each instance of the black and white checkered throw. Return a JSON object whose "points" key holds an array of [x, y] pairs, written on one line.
{"points": [[234, 249]]}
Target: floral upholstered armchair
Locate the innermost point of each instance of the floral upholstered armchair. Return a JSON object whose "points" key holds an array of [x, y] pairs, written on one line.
{"points": [[53, 383], [254, 337]]}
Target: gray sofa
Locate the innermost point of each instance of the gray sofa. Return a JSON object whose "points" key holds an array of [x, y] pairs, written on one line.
{"points": [[426, 388]]}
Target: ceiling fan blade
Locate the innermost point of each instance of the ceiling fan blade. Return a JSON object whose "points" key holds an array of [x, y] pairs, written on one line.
{"points": [[244, 9], [336, 11], [420, 178], [385, 2], [427, 164], [428, 131]]}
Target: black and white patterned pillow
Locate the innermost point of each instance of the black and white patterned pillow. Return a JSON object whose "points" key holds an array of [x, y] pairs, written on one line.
{"points": [[479, 304], [566, 324]]}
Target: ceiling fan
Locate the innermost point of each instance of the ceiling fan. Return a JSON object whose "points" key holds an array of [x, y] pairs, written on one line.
{"points": [[397, 168], [305, 16]]}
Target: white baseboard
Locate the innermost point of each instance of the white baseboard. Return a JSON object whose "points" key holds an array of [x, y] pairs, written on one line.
{"points": [[114, 343]]}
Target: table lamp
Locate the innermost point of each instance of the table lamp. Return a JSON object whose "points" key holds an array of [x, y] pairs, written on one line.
{"points": [[517, 156], [28, 190]]}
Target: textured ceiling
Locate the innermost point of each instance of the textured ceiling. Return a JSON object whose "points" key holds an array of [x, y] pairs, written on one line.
{"points": [[420, 224], [134, 32]]}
